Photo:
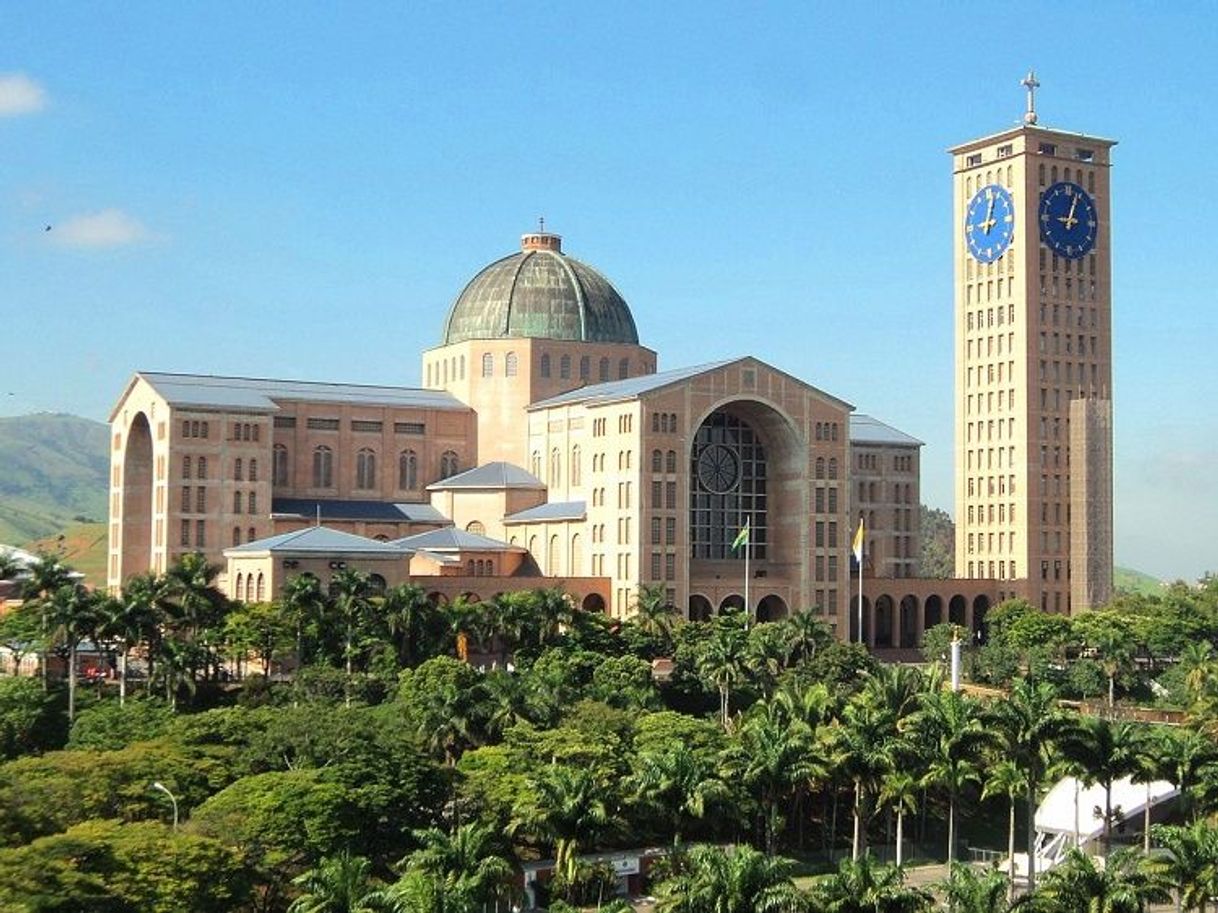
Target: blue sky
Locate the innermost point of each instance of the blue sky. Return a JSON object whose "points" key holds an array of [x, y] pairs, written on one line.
{"points": [[300, 190]]}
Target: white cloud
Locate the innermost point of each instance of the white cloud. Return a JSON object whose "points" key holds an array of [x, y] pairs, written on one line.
{"points": [[20, 95], [107, 228]]}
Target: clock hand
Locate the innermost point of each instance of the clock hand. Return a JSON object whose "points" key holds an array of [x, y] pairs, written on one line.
{"points": [[1069, 221], [989, 215]]}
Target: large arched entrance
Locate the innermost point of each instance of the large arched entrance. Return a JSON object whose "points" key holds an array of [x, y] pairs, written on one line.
{"points": [[733, 603], [137, 498], [883, 621], [594, 602], [771, 608], [981, 607], [855, 614], [934, 612], [700, 608], [909, 621], [957, 609]]}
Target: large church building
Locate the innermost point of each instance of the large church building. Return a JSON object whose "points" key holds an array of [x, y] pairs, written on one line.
{"points": [[547, 441]]}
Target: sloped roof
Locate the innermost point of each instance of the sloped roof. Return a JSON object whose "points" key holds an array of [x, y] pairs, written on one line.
{"points": [[1055, 814], [616, 390], [865, 429], [344, 509], [259, 394], [490, 475], [317, 540], [451, 539], [557, 510]]}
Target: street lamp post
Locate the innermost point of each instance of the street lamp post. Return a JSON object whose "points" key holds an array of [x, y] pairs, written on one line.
{"points": [[158, 785]]}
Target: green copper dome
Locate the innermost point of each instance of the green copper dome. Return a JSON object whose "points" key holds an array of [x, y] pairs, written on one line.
{"points": [[540, 293]]}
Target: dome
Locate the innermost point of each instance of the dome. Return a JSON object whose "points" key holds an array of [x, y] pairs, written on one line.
{"points": [[540, 293]]}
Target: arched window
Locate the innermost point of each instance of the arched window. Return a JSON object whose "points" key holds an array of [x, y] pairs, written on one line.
{"points": [[462, 364], [252, 502], [261, 595], [237, 469], [577, 556], [728, 485], [833, 467], [240, 587], [488, 365], [535, 464], [585, 368], [236, 542], [253, 474], [623, 369], [475, 527], [376, 585], [555, 468], [408, 470], [604, 372], [186, 467], [251, 534], [279, 466], [671, 462], [657, 461], [575, 467], [365, 469], [470, 568], [236, 502], [564, 367], [201, 468], [552, 558], [323, 467], [448, 464], [509, 364], [545, 364], [820, 467]]}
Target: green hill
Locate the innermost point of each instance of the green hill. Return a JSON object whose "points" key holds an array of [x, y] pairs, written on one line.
{"points": [[1127, 580], [54, 471]]}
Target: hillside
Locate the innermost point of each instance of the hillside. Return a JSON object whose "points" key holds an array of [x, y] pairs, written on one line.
{"points": [[1127, 580], [53, 470]]}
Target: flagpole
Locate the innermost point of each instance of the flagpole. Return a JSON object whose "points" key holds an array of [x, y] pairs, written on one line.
{"points": [[748, 547], [860, 609]]}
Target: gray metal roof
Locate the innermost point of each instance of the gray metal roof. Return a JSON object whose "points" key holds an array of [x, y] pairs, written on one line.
{"points": [[490, 475], [334, 509], [259, 394], [558, 510], [452, 539], [318, 540], [865, 429], [631, 387]]}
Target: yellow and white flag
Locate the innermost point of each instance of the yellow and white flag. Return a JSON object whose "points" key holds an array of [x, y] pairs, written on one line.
{"points": [[857, 546]]}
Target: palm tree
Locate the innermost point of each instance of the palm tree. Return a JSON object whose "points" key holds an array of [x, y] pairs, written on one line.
{"points": [[302, 604], [968, 890], [899, 789], [722, 662], [406, 610], [1106, 751], [806, 635], [865, 886], [738, 879], [774, 756], [676, 782], [469, 861], [653, 613], [1006, 778], [861, 750], [1191, 758], [350, 589], [948, 726], [194, 603], [766, 650], [567, 808], [1151, 763], [1190, 863], [337, 884], [1027, 724], [553, 610], [71, 616], [44, 577], [1125, 882], [126, 621]]}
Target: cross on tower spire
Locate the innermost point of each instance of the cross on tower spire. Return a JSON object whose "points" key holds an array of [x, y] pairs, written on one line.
{"points": [[1029, 82], [541, 225]]}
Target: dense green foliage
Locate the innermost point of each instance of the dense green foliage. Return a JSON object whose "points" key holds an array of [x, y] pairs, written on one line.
{"points": [[384, 773]]}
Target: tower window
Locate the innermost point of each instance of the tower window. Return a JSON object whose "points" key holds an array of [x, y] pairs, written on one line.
{"points": [[365, 469], [488, 365], [545, 365], [509, 365], [1048, 149], [973, 160], [564, 367]]}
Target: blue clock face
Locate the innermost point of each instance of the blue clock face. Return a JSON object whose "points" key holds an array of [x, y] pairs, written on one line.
{"points": [[989, 223], [1068, 223]]}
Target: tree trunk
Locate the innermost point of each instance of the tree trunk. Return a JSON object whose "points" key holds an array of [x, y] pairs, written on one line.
{"points": [[858, 817], [951, 830], [347, 696], [1107, 820], [833, 824], [900, 832], [724, 702], [1011, 852], [71, 681], [1031, 835], [1111, 690], [122, 679]]}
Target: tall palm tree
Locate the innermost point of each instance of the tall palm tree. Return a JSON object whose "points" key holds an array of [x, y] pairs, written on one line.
{"points": [[1125, 882], [406, 611], [948, 727], [899, 790], [722, 663], [469, 862], [1190, 863], [44, 577], [737, 879], [303, 604], [194, 605], [72, 616], [566, 808], [766, 650], [1027, 725], [1106, 751], [653, 613], [806, 636], [554, 611], [862, 751], [1007, 778], [774, 756], [865, 886], [337, 884], [125, 622], [351, 592], [677, 783], [1190, 757], [1151, 763]]}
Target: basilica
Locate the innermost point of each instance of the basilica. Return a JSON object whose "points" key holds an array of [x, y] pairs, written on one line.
{"points": [[545, 447]]}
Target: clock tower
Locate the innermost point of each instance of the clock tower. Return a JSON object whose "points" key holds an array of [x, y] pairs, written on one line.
{"points": [[1033, 365]]}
